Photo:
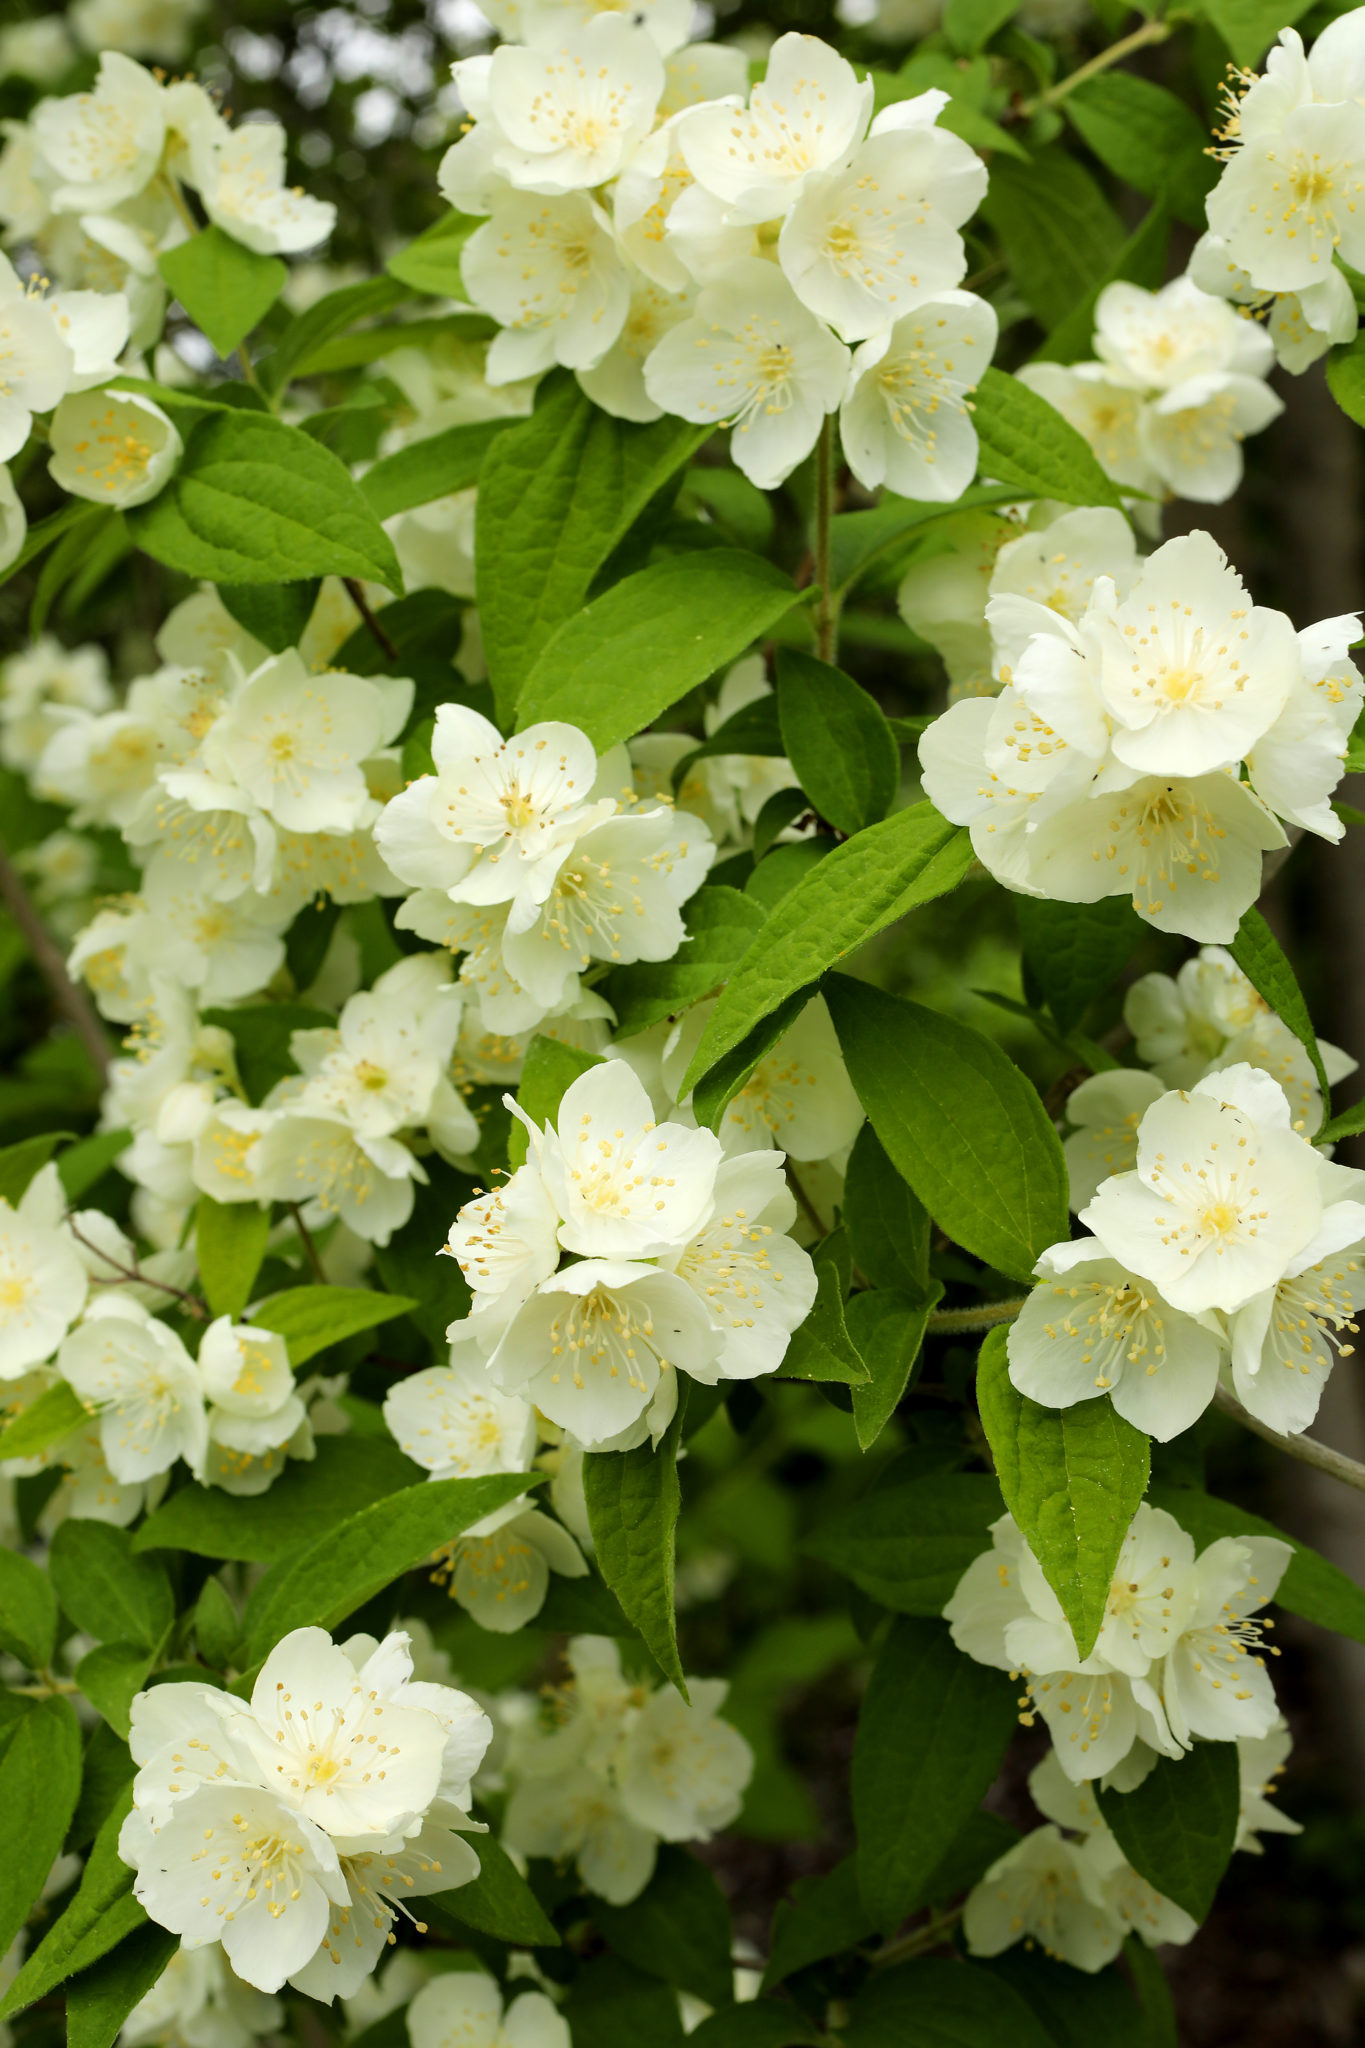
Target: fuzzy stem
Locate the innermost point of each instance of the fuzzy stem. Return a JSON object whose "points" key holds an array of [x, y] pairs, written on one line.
{"points": [[826, 610], [69, 999], [984, 1317], [1140, 39], [1306, 1449]]}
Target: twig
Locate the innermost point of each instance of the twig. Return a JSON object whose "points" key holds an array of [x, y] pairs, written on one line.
{"points": [[362, 604], [983, 1317], [1306, 1449], [193, 1305], [309, 1248], [68, 997], [1140, 39], [813, 1216]]}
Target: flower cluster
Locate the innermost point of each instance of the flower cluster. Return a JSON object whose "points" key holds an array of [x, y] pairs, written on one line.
{"points": [[602, 1769], [760, 259], [293, 1828], [1153, 748]]}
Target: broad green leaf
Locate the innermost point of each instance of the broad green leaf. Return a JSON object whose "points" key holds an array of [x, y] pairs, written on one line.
{"points": [[431, 468], [887, 1224], [970, 24], [106, 1588], [1249, 27], [19, 1163], [326, 317], [907, 1543], [81, 1165], [932, 1731], [612, 668], [310, 1319], [101, 1998], [931, 2003], [822, 1348], [229, 1242], [678, 1928], [1076, 949], [862, 887], [633, 1498], [101, 1914], [276, 614], [1147, 137], [548, 1069], [40, 1777], [1257, 952], [1312, 1587], [1346, 378], [857, 540], [612, 2002], [256, 501], [959, 1121], [782, 809], [498, 1901], [1026, 442], [225, 287], [109, 1676], [753, 729], [348, 1472], [757, 2023], [1073, 1478], [1058, 233], [1077, 2008], [261, 1033], [56, 1412], [1158, 2008], [44, 533], [557, 494], [1178, 1826], [28, 1610], [582, 1607], [217, 1624], [837, 741], [779, 871], [717, 1088], [819, 1917], [1139, 260], [721, 923], [356, 1558], [886, 1329], [430, 263]]}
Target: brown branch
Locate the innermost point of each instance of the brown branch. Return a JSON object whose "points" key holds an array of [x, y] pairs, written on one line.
{"points": [[1306, 1449], [192, 1304], [356, 593], [69, 999]]}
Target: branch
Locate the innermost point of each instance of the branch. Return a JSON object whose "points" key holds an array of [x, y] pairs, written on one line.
{"points": [[1306, 1449], [69, 999], [983, 1317], [918, 1940], [355, 591], [192, 1304], [1140, 39]]}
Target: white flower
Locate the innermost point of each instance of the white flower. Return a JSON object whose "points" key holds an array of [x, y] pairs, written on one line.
{"points": [[1296, 765], [1286, 1340], [464, 2009], [43, 1283], [1260, 1760], [568, 112], [756, 1283], [753, 357], [385, 1065], [102, 147], [13, 533], [550, 273], [309, 1156], [40, 688], [143, 1382], [455, 1422], [681, 1770], [1214, 1680], [294, 743], [1106, 410], [1225, 1195], [1056, 564], [1136, 1905], [873, 237], [240, 176], [199, 2001], [625, 1186], [617, 382], [499, 1571], [1302, 325], [1043, 1890], [1156, 341], [255, 1412], [579, 1815], [38, 361], [505, 1242], [905, 421], [1192, 436], [1288, 197], [809, 111], [1106, 1110], [113, 447], [1094, 1327]]}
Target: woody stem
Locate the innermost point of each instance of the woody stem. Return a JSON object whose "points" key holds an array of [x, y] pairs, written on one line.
{"points": [[984, 1316], [1306, 1449]]}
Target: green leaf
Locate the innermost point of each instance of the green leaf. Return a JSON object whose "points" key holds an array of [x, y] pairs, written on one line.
{"points": [[430, 263], [822, 1348], [932, 1731], [758, 2023], [28, 1611], [498, 1901], [1346, 378], [310, 1319], [217, 1624], [614, 2003], [56, 1412], [110, 1675], [40, 1777], [678, 1928], [347, 1472], [101, 1998], [557, 494], [1073, 1478], [959, 1121], [108, 1590], [865, 885], [858, 540], [261, 1033], [327, 316], [1257, 952], [1026, 442], [431, 468], [1139, 260], [1147, 137], [1077, 2008], [1312, 1588], [225, 287], [256, 501], [887, 1331], [633, 1498], [721, 923], [1058, 233], [837, 740], [753, 729], [101, 1914], [651, 638], [779, 871], [358, 1557], [85, 1163], [548, 1069], [937, 2004], [819, 1917], [908, 1542], [1249, 27], [19, 1163], [1158, 2008], [970, 24], [1076, 949], [887, 1224], [1178, 1826], [229, 1241], [276, 614]]}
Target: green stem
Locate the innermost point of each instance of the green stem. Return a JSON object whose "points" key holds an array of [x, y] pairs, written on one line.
{"points": [[917, 1941], [1140, 39], [310, 1250], [1306, 1449], [826, 610], [983, 1317]]}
